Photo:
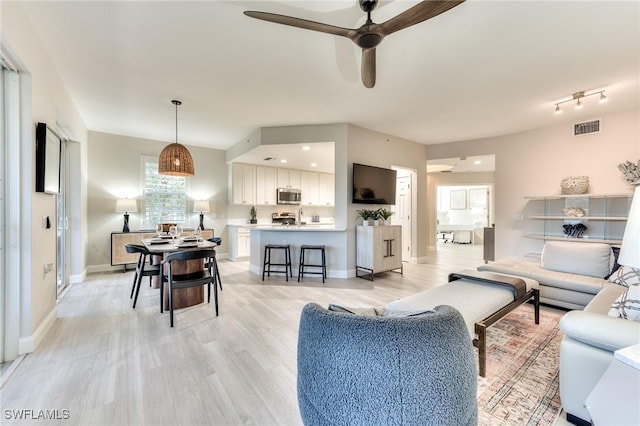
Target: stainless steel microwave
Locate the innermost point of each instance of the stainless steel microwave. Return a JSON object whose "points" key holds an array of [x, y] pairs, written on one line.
{"points": [[288, 196]]}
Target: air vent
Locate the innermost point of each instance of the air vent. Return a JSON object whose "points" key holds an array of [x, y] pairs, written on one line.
{"points": [[586, 127]]}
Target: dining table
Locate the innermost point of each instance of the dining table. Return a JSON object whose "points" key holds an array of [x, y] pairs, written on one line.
{"points": [[163, 245]]}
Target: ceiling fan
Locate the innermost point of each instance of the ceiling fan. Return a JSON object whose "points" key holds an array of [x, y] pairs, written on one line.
{"points": [[370, 34]]}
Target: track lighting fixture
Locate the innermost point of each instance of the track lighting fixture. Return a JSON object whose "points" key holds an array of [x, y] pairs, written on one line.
{"points": [[577, 97]]}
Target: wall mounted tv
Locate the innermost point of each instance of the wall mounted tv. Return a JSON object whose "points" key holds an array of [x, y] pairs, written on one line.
{"points": [[373, 185], [48, 149]]}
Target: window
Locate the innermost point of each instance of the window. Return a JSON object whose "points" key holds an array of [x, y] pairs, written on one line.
{"points": [[164, 197]]}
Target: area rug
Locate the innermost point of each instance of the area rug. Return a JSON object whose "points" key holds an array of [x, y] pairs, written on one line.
{"points": [[521, 384]]}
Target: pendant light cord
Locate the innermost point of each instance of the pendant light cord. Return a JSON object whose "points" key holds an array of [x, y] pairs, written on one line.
{"points": [[176, 103]]}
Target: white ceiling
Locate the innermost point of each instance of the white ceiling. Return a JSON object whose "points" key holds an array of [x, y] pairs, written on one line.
{"points": [[482, 69], [318, 156], [475, 164]]}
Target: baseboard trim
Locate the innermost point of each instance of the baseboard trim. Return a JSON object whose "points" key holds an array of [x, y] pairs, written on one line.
{"points": [[75, 279], [29, 344]]}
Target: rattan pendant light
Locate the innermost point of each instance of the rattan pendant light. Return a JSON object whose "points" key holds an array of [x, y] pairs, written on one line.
{"points": [[175, 159]]}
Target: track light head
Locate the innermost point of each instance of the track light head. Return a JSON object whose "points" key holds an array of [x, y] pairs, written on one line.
{"points": [[603, 98]]}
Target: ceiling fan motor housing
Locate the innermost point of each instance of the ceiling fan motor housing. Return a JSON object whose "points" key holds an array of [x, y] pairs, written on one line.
{"points": [[368, 5]]}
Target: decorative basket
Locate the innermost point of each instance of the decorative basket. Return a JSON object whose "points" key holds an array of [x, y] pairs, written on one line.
{"points": [[166, 226], [574, 185]]}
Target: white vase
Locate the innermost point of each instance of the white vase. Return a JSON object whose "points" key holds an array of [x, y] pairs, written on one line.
{"points": [[365, 222], [376, 222]]}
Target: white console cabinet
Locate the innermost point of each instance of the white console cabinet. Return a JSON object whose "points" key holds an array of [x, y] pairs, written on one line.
{"points": [[378, 249]]}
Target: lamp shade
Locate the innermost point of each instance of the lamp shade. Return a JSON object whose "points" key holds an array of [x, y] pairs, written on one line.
{"points": [[201, 206], [125, 205], [175, 160], [630, 250]]}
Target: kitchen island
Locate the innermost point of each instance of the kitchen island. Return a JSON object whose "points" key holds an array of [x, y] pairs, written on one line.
{"points": [[332, 237]]}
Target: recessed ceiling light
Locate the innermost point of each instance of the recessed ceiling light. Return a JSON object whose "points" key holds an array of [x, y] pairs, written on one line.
{"points": [[314, 164], [306, 148], [283, 160], [477, 162]]}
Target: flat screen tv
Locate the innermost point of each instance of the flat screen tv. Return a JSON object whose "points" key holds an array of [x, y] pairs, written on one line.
{"points": [[373, 185], [48, 149]]}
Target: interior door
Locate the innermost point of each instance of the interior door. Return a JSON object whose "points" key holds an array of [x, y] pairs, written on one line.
{"points": [[62, 228], [402, 213]]}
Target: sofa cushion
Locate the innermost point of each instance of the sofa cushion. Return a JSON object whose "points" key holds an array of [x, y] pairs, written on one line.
{"points": [[626, 276], [592, 259], [519, 268], [627, 305], [568, 281]]}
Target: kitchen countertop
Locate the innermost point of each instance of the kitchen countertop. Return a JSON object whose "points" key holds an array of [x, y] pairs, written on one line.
{"points": [[300, 228]]}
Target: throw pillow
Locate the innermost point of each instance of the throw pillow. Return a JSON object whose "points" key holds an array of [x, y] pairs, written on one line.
{"points": [[626, 276], [369, 312], [615, 252], [377, 312], [627, 306]]}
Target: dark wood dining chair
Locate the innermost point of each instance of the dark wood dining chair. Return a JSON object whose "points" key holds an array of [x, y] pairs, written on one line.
{"points": [[217, 241], [207, 276], [143, 269]]}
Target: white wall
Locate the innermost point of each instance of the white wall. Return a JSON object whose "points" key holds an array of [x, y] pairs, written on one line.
{"points": [[534, 162], [115, 162], [45, 99], [378, 149]]}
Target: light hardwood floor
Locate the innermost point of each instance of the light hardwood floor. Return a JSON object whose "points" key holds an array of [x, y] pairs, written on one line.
{"points": [[109, 364]]}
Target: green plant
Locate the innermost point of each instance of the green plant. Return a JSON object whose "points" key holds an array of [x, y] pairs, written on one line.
{"points": [[253, 213], [366, 214], [383, 213]]}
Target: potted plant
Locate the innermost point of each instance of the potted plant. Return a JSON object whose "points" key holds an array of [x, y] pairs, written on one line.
{"points": [[385, 215], [252, 214], [365, 214]]}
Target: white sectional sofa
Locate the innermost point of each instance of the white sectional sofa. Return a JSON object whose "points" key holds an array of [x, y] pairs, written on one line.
{"points": [[590, 338], [570, 273]]}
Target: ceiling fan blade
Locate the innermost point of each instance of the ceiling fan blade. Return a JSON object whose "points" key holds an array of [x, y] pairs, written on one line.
{"points": [[424, 10], [368, 71], [302, 23]]}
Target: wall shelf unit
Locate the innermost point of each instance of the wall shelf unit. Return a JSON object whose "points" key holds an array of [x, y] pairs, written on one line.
{"points": [[603, 215]]}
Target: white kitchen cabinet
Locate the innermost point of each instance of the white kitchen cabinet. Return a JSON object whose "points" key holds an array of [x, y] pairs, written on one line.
{"points": [[266, 184], [310, 188], [378, 249], [243, 183], [240, 239], [288, 178], [326, 189]]}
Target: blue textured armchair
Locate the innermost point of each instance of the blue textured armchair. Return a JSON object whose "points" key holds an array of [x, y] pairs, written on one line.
{"points": [[376, 370]]}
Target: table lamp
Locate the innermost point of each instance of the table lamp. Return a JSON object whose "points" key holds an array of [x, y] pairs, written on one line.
{"points": [[125, 205], [202, 207], [630, 249]]}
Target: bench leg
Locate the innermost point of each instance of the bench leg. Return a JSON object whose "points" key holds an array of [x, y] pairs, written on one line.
{"points": [[536, 305], [481, 344]]}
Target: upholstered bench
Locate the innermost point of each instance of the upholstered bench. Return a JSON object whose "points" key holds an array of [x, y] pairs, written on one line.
{"points": [[482, 298]]}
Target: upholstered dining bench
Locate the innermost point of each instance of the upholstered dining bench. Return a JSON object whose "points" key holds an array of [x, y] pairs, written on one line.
{"points": [[483, 298]]}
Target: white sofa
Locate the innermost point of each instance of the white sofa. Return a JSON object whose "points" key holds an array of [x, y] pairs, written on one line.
{"points": [[570, 273], [590, 338]]}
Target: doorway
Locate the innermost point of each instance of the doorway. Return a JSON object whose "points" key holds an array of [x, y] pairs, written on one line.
{"points": [[62, 223], [403, 209], [460, 198]]}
